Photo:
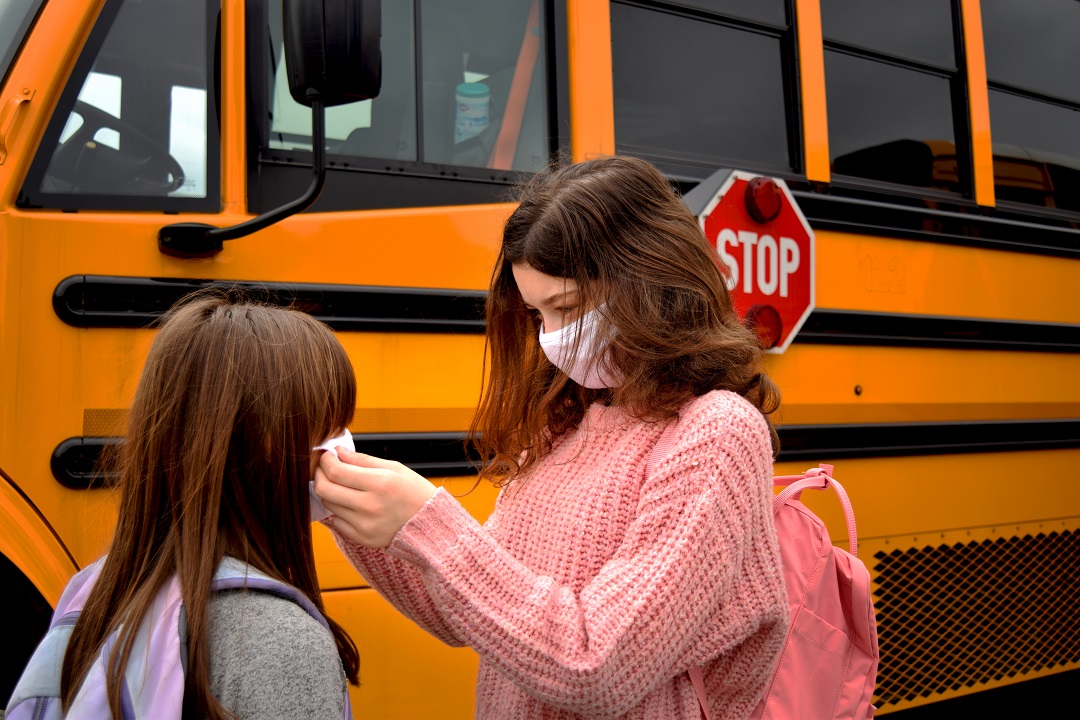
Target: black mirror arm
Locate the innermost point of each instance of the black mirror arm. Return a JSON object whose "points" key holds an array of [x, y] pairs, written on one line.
{"points": [[191, 240]]}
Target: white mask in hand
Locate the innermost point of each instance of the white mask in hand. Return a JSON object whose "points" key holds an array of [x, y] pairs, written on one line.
{"points": [[590, 366], [345, 440]]}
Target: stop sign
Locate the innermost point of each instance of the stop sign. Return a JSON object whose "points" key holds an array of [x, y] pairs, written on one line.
{"points": [[766, 247]]}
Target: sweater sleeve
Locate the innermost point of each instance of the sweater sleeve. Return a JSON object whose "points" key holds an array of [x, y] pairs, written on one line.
{"points": [[600, 651], [401, 584]]}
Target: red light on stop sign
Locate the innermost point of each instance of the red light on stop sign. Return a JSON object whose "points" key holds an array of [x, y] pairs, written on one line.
{"points": [[763, 199], [765, 321]]}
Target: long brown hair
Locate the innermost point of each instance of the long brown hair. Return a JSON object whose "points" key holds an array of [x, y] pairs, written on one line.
{"points": [[233, 396], [616, 227]]}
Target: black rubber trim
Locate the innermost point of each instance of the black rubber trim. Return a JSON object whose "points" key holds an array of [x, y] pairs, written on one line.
{"points": [[918, 222], [869, 440], [74, 462], [852, 327], [442, 454], [99, 301]]}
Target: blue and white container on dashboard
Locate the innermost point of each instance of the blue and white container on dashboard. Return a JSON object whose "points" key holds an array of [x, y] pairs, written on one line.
{"points": [[473, 114]]}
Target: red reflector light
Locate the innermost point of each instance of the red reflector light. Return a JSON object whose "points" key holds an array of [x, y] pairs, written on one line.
{"points": [[763, 199], [765, 321]]}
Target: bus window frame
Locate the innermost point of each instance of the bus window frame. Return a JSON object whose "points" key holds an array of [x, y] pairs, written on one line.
{"points": [[73, 202], [961, 112], [358, 183], [7, 62], [789, 79]]}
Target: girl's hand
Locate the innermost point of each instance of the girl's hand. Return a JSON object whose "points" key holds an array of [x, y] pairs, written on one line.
{"points": [[370, 498]]}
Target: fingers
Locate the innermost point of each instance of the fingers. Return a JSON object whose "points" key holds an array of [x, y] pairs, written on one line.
{"points": [[332, 493], [349, 477], [342, 525], [368, 461]]}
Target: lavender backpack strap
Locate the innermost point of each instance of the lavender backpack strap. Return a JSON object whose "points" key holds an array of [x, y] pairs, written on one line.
{"points": [[660, 449]]}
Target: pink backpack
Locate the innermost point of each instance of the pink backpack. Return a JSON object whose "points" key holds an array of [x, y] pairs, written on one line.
{"points": [[828, 666]]}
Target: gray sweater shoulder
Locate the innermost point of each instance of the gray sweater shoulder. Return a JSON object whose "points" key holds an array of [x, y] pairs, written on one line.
{"points": [[270, 659]]}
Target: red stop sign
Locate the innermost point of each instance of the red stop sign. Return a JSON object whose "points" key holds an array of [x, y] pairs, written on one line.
{"points": [[769, 259]]}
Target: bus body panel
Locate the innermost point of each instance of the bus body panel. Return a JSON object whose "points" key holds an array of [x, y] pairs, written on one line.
{"points": [[27, 540], [927, 517]]}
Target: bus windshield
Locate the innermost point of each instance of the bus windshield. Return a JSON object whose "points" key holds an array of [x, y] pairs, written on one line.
{"points": [[16, 16]]}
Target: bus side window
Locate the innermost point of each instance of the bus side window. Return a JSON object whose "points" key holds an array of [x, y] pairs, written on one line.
{"points": [[134, 128], [468, 55], [484, 83], [696, 92], [1032, 54], [892, 82]]}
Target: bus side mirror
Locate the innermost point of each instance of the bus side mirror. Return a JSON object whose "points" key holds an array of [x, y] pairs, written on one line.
{"points": [[332, 50], [333, 57]]}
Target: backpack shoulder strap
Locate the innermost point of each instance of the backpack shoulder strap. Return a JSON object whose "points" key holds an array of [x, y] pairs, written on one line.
{"points": [[662, 446], [818, 478], [235, 575]]}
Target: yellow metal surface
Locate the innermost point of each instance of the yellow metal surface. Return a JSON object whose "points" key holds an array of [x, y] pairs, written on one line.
{"points": [[111, 421], [27, 540], [405, 674], [919, 496], [59, 382], [592, 104], [233, 109], [818, 383], [815, 122], [862, 272], [982, 154], [94, 369], [336, 572]]}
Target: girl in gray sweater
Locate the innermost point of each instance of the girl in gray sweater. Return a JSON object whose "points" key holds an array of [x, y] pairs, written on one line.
{"points": [[214, 479]]}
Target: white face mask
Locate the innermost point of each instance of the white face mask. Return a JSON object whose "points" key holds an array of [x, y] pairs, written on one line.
{"points": [[590, 366], [318, 510]]}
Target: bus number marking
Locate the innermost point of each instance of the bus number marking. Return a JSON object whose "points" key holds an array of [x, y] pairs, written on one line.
{"points": [[883, 275]]}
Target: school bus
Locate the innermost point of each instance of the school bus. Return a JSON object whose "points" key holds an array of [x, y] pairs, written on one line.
{"points": [[931, 145]]}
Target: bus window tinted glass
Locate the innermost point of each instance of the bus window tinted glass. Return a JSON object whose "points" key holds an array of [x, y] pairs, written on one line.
{"points": [[140, 124], [15, 19], [694, 95], [1036, 151], [475, 109], [1034, 45], [770, 12], [384, 127], [888, 123], [920, 30], [484, 83]]}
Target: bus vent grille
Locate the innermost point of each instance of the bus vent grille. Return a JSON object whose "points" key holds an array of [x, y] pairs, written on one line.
{"points": [[955, 616]]}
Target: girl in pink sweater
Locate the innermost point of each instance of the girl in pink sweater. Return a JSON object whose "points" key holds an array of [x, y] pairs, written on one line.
{"points": [[604, 574]]}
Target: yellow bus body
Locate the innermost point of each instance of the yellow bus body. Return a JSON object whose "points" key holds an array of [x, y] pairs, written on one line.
{"points": [[62, 382]]}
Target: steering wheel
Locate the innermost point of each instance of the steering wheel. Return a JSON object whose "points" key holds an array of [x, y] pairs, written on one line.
{"points": [[142, 164]]}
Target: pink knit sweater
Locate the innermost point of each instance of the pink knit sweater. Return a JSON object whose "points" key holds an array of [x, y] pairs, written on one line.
{"points": [[593, 586]]}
